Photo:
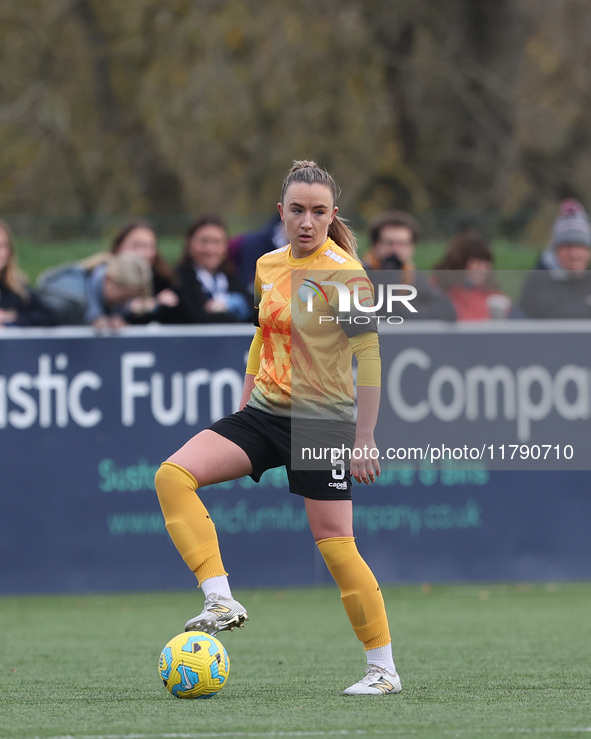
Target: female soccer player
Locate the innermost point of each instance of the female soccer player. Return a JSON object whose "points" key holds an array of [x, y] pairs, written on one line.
{"points": [[291, 340]]}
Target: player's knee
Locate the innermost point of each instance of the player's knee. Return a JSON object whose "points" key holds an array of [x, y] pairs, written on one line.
{"points": [[171, 479], [336, 549], [331, 532]]}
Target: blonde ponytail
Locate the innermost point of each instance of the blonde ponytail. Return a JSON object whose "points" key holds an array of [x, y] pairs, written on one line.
{"points": [[342, 235]]}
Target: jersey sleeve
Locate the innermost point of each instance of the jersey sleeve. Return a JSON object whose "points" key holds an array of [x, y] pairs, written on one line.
{"points": [[254, 355], [366, 348]]}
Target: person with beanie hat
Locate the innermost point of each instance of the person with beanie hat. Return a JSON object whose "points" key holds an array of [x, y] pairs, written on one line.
{"points": [[572, 225], [571, 228], [561, 287]]}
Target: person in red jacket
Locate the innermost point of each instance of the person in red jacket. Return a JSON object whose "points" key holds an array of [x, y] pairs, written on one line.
{"points": [[465, 274]]}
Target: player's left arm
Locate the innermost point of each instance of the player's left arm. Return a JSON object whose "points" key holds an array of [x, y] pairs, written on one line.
{"points": [[366, 348]]}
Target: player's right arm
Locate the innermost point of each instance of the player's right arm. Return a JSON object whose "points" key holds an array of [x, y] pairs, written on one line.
{"points": [[252, 366], [254, 354], [247, 389]]}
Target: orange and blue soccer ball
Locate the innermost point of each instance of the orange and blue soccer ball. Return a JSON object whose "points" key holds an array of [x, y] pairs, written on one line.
{"points": [[194, 665]]}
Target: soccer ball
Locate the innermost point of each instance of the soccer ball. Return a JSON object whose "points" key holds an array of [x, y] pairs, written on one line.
{"points": [[194, 665]]}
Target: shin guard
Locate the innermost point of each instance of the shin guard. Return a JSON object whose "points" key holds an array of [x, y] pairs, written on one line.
{"points": [[360, 591], [187, 521]]}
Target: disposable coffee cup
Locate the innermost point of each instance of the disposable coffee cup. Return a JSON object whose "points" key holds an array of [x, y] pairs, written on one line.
{"points": [[498, 305]]}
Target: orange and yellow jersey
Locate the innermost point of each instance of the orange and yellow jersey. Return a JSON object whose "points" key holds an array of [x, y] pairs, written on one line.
{"points": [[306, 359]]}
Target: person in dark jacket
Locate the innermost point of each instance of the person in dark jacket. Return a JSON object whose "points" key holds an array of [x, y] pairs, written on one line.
{"points": [[19, 306], [139, 238], [244, 249], [564, 289], [394, 237], [208, 289]]}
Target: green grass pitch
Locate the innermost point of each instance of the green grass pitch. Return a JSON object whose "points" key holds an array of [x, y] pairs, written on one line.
{"points": [[475, 661], [34, 257]]}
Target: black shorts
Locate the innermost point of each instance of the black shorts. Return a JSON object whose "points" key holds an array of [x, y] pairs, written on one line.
{"points": [[272, 441]]}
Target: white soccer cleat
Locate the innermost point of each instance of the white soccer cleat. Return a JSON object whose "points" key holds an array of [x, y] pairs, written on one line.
{"points": [[377, 681], [219, 614]]}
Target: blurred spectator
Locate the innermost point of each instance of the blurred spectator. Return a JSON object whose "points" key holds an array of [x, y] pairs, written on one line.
{"points": [[465, 275], [209, 291], [96, 290], [394, 237], [570, 223], [139, 238], [563, 290], [19, 306], [246, 248]]}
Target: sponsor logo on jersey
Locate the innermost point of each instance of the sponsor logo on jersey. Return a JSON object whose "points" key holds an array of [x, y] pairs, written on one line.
{"points": [[308, 290]]}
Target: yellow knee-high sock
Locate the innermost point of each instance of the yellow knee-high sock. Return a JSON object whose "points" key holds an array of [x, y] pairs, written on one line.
{"points": [[360, 591], [188, 522]]}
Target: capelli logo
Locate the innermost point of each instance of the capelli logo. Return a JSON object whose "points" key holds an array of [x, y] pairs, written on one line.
{"points": [[387, 296]]}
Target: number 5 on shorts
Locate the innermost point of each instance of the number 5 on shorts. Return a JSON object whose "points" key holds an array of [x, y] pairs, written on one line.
{"points": [[338, 469]]}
